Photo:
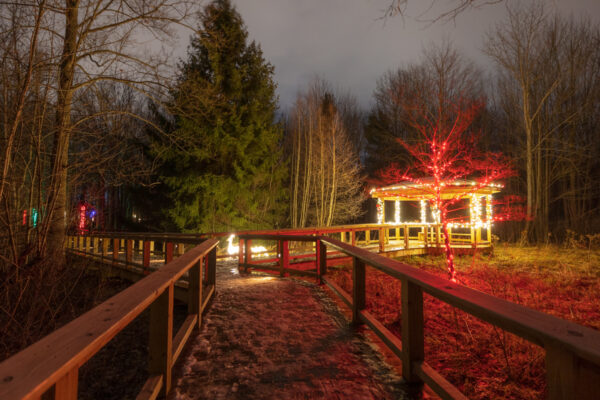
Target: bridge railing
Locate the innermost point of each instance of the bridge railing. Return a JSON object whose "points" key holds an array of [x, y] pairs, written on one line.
{"points": [[52, 364], [385, 237], [572, 351]]}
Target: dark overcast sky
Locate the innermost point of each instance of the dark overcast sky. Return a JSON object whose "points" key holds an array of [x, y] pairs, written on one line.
{"points": [[347, 42]]}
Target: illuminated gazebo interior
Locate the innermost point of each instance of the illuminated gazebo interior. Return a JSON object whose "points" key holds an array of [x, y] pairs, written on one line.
{"points": [[461, 230]]}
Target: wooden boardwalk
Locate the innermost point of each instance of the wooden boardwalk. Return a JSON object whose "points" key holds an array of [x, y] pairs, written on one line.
{"points": [[270, 336], [278, 338]]}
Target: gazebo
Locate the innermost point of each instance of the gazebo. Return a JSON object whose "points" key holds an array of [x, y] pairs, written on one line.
{"points": [[464, 232]]}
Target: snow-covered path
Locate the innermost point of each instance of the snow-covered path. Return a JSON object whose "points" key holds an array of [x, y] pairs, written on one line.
{"points": [[266, 337]]}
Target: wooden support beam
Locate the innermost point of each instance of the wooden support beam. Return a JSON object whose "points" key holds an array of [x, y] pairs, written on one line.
{"points": [[406, 237], [161, 338], [211, 267], [382, 240], [412, 330], [105, 243], [195, 291], [322, 260], [168, 252], [570, 377], [248, 252], [358, 289], [284, 256], [241, 259], [115, 250], [353, 233], [66, 387], [129, 250], [96, 246], [146, 255]]}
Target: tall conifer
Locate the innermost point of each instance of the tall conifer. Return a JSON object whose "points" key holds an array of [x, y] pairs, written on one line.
{"points": [[224, 169]]}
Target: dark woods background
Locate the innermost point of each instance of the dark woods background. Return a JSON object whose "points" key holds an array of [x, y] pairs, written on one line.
{"points": [[90, 119]]}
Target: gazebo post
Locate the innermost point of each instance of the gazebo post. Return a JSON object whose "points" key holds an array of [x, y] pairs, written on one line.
{"points": [[397, 218], [488, 217], [380, 211], [423, 216]]}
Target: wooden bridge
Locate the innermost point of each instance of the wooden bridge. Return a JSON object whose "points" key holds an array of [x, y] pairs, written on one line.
{"points": [[169, 266]]}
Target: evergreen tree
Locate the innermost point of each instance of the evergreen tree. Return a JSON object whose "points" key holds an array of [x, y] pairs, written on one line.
{"points": [[223, 166]]}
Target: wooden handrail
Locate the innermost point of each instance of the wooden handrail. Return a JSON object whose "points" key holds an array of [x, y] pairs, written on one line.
{"points": [[572, 350], [56, 358], [532, 325]]}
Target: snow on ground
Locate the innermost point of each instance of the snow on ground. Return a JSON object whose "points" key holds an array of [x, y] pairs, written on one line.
{"points": [[278, 338]]}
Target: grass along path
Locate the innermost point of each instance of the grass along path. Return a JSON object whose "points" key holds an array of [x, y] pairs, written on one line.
{"points": [[481, 360]]}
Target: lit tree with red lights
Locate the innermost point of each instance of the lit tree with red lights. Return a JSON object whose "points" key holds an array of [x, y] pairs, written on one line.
{"points": [[444, 153]]}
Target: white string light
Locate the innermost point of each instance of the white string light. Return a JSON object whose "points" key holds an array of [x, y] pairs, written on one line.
{"points": [[397, 211], [379, 211]]}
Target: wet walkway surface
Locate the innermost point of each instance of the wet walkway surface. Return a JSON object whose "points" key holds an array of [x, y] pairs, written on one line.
{"points": [[266, 337]]}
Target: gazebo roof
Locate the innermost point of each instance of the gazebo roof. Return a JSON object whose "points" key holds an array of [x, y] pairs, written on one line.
{"points": [[424, 190]]}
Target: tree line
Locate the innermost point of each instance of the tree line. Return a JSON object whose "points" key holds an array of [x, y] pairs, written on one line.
{"points": [[94, 111]]}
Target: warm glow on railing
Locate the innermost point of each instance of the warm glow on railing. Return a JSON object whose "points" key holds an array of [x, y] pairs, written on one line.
{"points": [[233, 250]]}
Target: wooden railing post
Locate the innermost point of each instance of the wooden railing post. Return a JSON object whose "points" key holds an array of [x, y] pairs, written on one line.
{"points": [[180, 249], [241, 253], [88, 243], [412, 330], [437, 235], [195, 291], [367, 237], [282, 253], [96, 245], [211, 273], [146, 255], [353, 237], [116, 243], [406, 237], [248, 252], [129, 250], [568, 376], [66, 387], [105, 243], [161, 338], [322, 258], [381, 240], [426, 228], [358, 289], [168, 252]]}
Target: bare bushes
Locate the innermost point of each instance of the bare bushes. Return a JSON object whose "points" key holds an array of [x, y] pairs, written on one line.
{"points": [[39, 297]]}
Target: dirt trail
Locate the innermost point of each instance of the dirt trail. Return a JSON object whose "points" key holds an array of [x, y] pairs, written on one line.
{"points": [[271, 338]]}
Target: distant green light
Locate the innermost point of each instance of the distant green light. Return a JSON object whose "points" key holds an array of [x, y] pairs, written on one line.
{"points": [[34, 217]]}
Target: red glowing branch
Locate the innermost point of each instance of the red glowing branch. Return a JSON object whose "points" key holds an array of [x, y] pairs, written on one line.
{"points": [[446, 153]]}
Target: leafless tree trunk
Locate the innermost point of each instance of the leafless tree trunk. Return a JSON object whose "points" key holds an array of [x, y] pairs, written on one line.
{"points": [[325, 171], [541, 59]]}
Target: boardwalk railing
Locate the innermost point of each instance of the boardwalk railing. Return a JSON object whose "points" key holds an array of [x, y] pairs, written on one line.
{"points": [[572, 351], [382, 237], [52, 364]]}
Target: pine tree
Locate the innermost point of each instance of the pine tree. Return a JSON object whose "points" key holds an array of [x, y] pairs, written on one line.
{"points": [[224, 168]]}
